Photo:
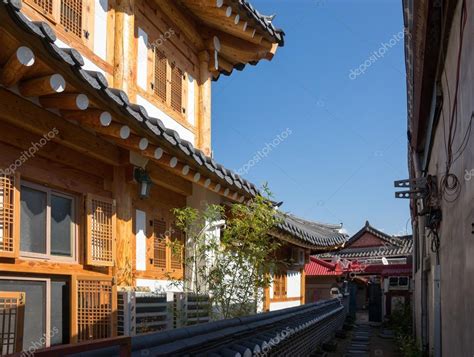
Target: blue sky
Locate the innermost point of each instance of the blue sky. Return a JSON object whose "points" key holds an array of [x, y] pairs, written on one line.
{"points": [[348, 135]]}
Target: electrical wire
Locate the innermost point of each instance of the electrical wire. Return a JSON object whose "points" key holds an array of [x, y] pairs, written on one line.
{"points": [[450, 184]]}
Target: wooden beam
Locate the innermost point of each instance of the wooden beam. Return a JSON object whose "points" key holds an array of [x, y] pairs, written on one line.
{"points": [[186, 26], [54, 151], [29, 116], [42, 86], [166, 179], [66, 101], [16, 66]]}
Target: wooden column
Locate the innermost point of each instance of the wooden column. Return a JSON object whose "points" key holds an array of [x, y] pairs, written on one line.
{"points": [[124, 53], [123, 191], [303, 287], [204, 124]]}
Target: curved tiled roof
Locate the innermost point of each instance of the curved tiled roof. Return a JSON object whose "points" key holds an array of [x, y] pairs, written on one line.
{"points": [[264, 21], [320, 234], [373, 252], [119, 99]]}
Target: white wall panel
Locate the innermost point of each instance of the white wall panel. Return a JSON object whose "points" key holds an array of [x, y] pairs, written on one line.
{"points": [[169, 122], [140, 229], [142, 60], [100, 28], [293, 283]]}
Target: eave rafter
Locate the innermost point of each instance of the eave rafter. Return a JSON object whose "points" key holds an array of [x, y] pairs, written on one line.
{"points": [[53, 83]]}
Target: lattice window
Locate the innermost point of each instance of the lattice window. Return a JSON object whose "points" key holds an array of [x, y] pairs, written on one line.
{"points": [[100, 231], [94, 309], [45, 6], [160, 75], [71, 16], [159, 244], [279, 285], [9, 218], [177, 248], [12, 310], [176, 88]]}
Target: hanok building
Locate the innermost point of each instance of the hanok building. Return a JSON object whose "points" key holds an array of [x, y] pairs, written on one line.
{"points": [[377, 267], [105, 127], [302, 237]]}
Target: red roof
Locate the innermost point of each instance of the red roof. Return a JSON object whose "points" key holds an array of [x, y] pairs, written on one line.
{"points": [[319, 267]]}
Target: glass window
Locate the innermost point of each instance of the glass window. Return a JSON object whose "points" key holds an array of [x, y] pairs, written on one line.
{"points": [[61, 225], [35, 309], [47, 223], [33, 220]]}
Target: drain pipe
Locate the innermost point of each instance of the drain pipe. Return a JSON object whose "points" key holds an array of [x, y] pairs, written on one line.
{"points": [[422, 235]]}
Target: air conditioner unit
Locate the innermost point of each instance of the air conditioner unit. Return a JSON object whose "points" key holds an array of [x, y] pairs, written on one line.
{"points": [[298, 256]]}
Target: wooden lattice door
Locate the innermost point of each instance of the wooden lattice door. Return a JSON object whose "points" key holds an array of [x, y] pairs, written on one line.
{"points": [[96, 307], [12, 312], [100, 231]]}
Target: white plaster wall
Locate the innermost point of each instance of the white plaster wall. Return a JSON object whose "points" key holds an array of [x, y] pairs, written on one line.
{"points": [[201, 197], [88, 64], [169, 122], [100, 28], [283, 305], [190, 110], [158, 285], [140, 229], [142, 60], [293, 283]]}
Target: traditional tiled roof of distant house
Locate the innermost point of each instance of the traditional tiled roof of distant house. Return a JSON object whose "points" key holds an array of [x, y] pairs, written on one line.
{"points": [[391, 246], [70, 59], [312, 233]]}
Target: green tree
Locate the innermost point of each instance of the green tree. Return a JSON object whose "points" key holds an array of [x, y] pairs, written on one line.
{"points": [[233, 266]]}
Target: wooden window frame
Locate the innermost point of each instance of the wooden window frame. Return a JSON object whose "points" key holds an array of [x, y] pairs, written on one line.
{"points": [[88, 213], [168, 270], [182, 114], [74, 227], [87, 21], [19, 298], [47, 310], [280, 293], [15, 224]]}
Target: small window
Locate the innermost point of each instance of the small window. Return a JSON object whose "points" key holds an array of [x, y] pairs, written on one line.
{"points": [[279, 285], [71, 16], [160, 75], [159, 244], [168, 83], [47, 223]]}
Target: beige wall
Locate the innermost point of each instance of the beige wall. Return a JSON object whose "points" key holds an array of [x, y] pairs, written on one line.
{"points": [[457, 239]]}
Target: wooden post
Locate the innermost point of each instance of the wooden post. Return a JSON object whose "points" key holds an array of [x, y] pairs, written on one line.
{"points": [[122, 190], [204, 124], [124, 57], [303, 287]]}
